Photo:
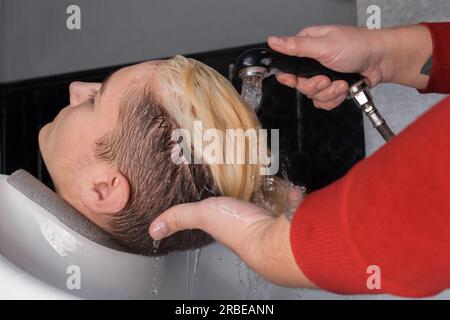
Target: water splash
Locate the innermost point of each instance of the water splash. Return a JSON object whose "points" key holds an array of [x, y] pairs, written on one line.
{"points": [[301, 293], [285, 176], [272, 194], [155, 262], [224, 209], [196, 262], [251, 91], [192, 262], [238, 264], [155, 278], [251, 285], [156, 244], [188, 273]]}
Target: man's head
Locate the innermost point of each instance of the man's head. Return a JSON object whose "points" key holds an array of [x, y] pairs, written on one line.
{"points": [[109, 151]]}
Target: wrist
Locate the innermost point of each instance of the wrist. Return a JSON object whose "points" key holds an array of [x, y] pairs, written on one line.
{"points": [[388, 56], [408, 49], [274, 259], [382, 64]]}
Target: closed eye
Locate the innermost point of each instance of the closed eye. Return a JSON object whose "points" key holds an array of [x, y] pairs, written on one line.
{"points": [[91, 98]]}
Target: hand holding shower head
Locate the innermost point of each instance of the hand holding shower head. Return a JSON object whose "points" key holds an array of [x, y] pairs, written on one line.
{"points": [[254, 65], [262, 61]]}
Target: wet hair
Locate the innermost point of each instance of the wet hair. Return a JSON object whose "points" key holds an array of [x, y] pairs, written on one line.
{"points": [[141, 148], [142, 144]]}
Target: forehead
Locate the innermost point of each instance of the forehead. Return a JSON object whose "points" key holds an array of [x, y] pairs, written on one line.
{"points": [[125, 79], [135, 75]]}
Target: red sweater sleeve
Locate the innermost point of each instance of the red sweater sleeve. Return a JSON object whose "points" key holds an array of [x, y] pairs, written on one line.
{"points": [[439, 81], [392, 210]]}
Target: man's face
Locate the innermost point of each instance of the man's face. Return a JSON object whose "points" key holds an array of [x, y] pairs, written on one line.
{"points": [[68, 142]]}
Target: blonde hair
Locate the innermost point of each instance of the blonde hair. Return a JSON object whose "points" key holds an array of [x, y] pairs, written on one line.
{"points": [[192, 91], [142, 148]]}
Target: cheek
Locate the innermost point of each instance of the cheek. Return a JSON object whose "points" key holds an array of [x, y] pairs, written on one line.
{"points": [[74, 132], [68, 137]]}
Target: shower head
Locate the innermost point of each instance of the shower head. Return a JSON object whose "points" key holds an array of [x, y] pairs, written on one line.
{"points": [[254, 62], [263, 62], [253, 71]]}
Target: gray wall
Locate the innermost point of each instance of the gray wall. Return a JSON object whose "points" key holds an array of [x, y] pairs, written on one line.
{"points": [[400, 105], [35, 42]]}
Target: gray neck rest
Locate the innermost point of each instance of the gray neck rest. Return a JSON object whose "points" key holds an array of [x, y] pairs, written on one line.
{"points": [[49, 200]]}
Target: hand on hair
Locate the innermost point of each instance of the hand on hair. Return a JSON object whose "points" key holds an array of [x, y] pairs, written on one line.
{"points": [[250, 231], [388, 55]]}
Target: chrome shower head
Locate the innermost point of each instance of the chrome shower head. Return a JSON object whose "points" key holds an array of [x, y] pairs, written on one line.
{"points": [[259, 63]]}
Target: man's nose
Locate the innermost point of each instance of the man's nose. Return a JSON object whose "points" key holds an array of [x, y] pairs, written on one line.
{"points": [[81, 91]]}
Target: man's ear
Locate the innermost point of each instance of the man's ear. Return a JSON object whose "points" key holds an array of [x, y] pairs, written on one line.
{"points": [[106, 193]]}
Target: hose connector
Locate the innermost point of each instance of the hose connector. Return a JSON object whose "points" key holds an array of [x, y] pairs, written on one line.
{"points": [[359, 92]]}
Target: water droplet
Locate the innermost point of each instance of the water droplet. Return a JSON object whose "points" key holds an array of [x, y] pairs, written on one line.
{"points": [[155, 262], [156, 244], [220, 258], [300, 293]]}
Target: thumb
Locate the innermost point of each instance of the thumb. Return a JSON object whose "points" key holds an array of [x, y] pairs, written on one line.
{"points": [[177, 218], [300, 46]]}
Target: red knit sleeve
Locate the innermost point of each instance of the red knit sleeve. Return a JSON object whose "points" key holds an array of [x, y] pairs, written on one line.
{"points": [[439, 81], [391, 211]]}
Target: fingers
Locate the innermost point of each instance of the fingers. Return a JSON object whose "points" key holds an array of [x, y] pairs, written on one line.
{"points": [[221, 217], [225, 219], [309, 87], [317, 31], [177, 218], [329, 104], [287, 79], [309, 42], [301, 46], [324, 93], [335, 90]]}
